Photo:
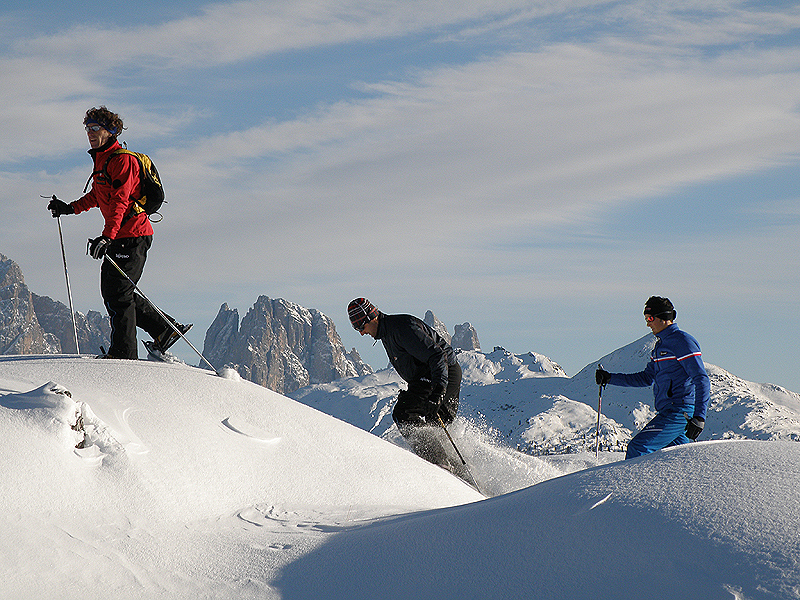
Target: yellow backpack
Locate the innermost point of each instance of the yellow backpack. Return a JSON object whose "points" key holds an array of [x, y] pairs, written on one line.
{"points": [[152, 191]]}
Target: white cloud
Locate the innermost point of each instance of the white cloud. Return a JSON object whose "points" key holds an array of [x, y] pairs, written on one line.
{"points": [[681, 23], [521, 137], [225, 33], [423, 182]]}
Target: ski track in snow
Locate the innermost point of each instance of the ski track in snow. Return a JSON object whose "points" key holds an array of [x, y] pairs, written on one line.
{"points": [[244, 429]]}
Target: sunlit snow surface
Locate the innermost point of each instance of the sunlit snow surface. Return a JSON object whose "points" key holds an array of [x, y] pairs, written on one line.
{"points": [[192, 485]]}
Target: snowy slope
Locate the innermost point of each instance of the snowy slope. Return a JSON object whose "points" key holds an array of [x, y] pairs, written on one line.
{"points": [[715, 520], [177, 461], [528, 402], [191, 485]]}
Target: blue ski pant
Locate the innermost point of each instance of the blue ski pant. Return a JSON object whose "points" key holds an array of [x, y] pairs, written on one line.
{"points": [[668, 428]]}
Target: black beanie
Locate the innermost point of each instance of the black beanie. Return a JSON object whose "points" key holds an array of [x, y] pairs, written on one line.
{"points": [[660, 308]]}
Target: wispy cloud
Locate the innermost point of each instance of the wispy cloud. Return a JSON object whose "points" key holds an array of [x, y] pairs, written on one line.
{"points": [[527, 134], [425, 179], [681, 23], [225, 33]]}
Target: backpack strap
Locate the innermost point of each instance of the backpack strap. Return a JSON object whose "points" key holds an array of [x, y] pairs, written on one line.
{"points": [[102, 171], [137, 207]]}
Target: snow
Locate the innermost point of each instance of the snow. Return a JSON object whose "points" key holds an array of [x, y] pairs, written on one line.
{"points": [[674, 524], [194, 485]]}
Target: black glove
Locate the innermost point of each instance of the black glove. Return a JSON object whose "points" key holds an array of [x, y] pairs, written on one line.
{"points": [[99, 246], [602, 377], [58, 208], [694, 427], [435, 403]]}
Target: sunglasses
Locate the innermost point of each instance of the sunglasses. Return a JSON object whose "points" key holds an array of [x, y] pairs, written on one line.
{"points": [[651, 318], [94, 127]]}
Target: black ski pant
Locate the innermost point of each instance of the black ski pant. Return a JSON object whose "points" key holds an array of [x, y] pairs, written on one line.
{"points": [[416, 415], [126, 308]]}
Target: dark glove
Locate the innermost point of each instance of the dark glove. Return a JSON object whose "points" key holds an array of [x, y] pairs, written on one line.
{"points": [[602, 377], [694, 427], [58, 208], [99, 246], [435, 403]]}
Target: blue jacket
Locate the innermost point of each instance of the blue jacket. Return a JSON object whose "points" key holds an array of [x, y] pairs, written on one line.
{"points": [[676, 372], [415, 350]]}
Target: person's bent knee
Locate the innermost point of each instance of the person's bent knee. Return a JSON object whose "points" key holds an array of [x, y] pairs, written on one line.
{"points": [[635, 449]]}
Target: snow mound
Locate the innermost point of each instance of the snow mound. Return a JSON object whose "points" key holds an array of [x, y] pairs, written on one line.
{"points": [[711, 520], [143, 479], [127, 479], [201, 445]]}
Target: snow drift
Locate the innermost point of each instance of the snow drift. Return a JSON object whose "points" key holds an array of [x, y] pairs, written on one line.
{"points": [[707, 521], [149, 480]]}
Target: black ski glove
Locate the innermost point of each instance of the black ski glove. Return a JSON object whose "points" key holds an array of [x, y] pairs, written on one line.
{"points": [[98, 246], [602, 377], [694, 426], [58, 208], [435, 403]]}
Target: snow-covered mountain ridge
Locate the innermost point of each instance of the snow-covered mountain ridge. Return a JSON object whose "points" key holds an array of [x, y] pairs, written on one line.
{"points": [[528, 402]]}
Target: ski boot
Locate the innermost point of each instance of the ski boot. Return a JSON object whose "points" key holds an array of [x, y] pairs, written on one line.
{"points": [[163, 342]]}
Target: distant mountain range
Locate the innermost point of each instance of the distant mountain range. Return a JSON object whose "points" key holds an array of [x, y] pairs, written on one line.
{"points": [[525, 401], [31, 324], [278, 344]]}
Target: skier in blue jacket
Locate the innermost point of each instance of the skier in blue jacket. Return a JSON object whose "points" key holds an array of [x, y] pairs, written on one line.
{"points": [[680, 383]]}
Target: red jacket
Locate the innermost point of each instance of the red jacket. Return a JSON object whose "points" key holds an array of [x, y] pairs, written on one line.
{"points": [[115, 197]]}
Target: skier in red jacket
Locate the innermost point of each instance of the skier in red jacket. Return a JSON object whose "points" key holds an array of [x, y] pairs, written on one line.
{"points": [[127, 236]]}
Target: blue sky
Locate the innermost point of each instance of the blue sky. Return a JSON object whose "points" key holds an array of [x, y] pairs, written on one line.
{"points": [[535, 168]]}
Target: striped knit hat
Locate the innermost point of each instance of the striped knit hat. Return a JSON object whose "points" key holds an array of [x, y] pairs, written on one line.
{"points": [[361, 311]]}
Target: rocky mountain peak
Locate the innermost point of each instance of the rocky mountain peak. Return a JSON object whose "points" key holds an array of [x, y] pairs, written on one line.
{"points": [[434, 323], [280, 345], [464, 338], [31, 324]]}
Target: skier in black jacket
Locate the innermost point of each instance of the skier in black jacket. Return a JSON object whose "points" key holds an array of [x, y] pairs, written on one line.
{"points": [[429, 366]]}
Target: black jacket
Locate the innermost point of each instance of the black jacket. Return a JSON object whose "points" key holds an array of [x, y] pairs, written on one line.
{"points": [[415, 350]]}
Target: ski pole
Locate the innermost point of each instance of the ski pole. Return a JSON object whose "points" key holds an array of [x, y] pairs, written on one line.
{"points": [[449, 437], [463, 462], [159, 311], [66, 275], [599, 406]]}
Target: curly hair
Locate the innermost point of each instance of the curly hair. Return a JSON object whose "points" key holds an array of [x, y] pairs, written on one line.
{"points": [[110, 121]]}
